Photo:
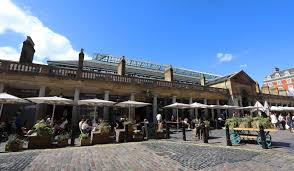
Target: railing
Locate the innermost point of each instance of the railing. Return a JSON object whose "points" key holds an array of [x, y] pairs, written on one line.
{"points": [[12, 67]]}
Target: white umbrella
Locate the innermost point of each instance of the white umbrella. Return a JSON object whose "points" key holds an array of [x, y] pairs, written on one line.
{"points": [[9, 99], [229, 107], [51, 100], [259, 106], [214, 106], [276, 108], [178, 106], [129, 104], [198, 105], [95, 103], [247, 107]]}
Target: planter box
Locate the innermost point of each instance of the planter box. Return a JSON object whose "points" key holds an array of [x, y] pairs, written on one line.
{"points": [[161, 135], [39, 141], [98, 138], [120, 135], [62, 143], [138, 137], [86, 142]]}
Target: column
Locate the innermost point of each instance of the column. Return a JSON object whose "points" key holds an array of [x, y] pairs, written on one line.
{"points": [[218, 110], [1, 87], [40, 107], [75, 113], [106, 109], [154, 108], [174, 100], [133, 114], [205, 110], [192, 115]]}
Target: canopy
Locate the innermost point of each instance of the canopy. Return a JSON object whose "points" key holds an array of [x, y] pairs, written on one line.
{"points": [[95, 102], [248, 107], [198, 105], [51, 100], [214, 106], [129, 104], [275, 108], [178, 106], [9, 99], [259, 106], [229, 107]]}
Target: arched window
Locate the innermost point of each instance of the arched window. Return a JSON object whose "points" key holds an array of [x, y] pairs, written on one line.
{"points": [[287, 73]]}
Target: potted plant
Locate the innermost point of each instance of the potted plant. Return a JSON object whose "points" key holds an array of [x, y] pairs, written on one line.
{"points": [[41, 137], [101, 134], [232, 122], [130, 126], [14, 144], [62, 139], [85, 139]]}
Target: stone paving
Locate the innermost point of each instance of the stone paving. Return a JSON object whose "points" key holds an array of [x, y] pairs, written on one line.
{"points": [[172, 154]]}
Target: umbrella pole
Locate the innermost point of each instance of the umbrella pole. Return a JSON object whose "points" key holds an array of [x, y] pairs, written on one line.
{"points": [[53, 114], [95, 108], [1, 110], [129, 113], [177, 119]]}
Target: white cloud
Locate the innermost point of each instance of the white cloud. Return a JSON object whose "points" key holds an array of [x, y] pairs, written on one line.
{"points": [[48, 44], [243, 66], [224, 57]]}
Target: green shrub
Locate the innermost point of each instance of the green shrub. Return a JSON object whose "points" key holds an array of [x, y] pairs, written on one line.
{"points": [[43, 129], [104, 128], [246, 122], [233, 122], [62, 136], [14, 144], [84, 136]]}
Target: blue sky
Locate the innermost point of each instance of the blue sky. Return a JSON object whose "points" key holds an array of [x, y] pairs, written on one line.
{"points": [[215, 36]]}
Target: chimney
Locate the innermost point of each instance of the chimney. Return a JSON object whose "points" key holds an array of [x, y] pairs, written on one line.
{"points": [[27, 51], [81, 59], [169, 73], [202, 80], [121, 68], [257, 88], [277, 69]]}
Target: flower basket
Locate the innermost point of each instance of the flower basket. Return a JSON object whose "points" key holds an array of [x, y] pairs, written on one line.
{"points": [[85, 139], [99, 138], [14, 144], [35, 141]]}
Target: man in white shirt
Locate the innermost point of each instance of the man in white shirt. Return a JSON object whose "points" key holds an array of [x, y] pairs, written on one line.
{"points": [[158, 118], [274, 119]]}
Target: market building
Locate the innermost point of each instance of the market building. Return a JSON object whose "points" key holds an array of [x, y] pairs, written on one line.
{"points": [[119, 79]]}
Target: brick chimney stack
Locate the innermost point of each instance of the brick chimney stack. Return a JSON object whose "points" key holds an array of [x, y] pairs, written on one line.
{"points": [[81, 59], [27, 51], [202, 80], [169, 73], [121, 68]]}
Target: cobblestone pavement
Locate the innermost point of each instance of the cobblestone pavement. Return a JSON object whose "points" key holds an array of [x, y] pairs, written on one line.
{"points": [[172, 154], [148, 155]]}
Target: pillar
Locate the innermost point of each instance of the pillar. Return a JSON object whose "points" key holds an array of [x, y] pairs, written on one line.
{"points": [[155, 108], [75, 112], [1, 87], [192, 115], [174, 100], [218, 110], [133, 117], [106, 109], [205, 110], [40, 107]]}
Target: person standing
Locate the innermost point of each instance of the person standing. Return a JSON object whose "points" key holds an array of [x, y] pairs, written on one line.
{"points": [[274, 119], [282, 121], [289, 122]]}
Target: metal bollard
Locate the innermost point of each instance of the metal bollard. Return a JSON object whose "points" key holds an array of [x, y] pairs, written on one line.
{"points": [[262, 136], [126, 133], [205, 137], [167, 131], [72, 138], [146, 130], [229, 143], [184, 131]]}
